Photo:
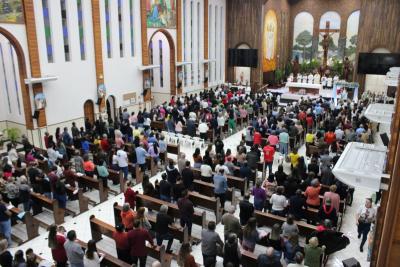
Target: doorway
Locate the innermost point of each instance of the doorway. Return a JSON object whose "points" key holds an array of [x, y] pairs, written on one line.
{"points": [[110, 107], [88, 110], [242, 74]]}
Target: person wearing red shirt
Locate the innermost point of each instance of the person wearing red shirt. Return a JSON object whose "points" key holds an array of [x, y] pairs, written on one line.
{"points": [[56, 240], [302, 115], [330, 137], [229, 95], [129, 194], [104, 144], [121, 243], [269, 152], [310, 122], [257, 138], [137, 242]]}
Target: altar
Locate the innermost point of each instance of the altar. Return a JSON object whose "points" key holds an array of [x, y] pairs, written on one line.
{"points": [[304, 88]]}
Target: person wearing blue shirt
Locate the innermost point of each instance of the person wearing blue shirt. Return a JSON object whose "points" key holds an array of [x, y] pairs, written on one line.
{"points": [[85, 145], [360, 130], [283, 142], [220, 186], [141, 155]]}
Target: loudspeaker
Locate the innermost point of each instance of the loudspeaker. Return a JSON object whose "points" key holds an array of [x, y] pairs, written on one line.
{"points": [[36, 115], [385, 139], [352, 262]]}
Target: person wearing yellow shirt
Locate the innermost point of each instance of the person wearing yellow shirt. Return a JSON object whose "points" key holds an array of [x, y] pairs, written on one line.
{"points": [[294, 158], [309, 141]]}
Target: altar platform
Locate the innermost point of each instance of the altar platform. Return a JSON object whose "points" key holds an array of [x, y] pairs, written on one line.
{"points": [[287, 97], [304, 88]]}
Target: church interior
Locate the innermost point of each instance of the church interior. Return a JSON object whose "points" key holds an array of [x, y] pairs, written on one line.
{"points": [[199, 133]]}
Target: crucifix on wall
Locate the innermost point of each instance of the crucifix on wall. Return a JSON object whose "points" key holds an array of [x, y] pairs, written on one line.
{"points": [[326, 34]]}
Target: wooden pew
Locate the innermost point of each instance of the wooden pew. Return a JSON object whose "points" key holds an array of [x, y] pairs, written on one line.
{"points": [[157, 125], [178, 233], [269, 219], [173, 149], [208, 190], [50, 204], [99, 228], [94, 183], [210, 203], [248, 259], [83, 201], [31, 223], [108, 260], [155, 204], [232, 181]]}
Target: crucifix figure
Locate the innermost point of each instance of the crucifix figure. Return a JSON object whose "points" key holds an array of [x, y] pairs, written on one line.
{"points": [[326, 33]]}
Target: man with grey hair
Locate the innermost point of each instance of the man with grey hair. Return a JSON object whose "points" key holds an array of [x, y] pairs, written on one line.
{"points": [[231, 223], [269, 259], [163, 221]]}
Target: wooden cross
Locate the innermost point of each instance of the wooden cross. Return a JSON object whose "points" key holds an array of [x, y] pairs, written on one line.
{"points": [[325, 42]]}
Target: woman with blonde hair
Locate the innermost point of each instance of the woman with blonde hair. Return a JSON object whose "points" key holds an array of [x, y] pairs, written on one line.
{"points": [[140, 216], [313, 253]]}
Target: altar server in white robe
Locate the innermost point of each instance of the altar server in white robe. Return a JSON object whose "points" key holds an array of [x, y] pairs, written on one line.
{"points": [[335, 79], [329, 82], [323, 81], [317, 78], [310, 78], [304, 79]]}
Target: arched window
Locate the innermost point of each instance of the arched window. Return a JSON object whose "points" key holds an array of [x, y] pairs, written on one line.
{"points": [[351, 34], [333, 18], [303, 36]]}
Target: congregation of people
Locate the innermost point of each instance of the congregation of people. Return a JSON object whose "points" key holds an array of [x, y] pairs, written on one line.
{"points": [[288, 186]]}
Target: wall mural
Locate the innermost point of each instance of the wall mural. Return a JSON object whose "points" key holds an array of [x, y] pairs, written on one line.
{"points": [[270, 36], [303, 36], [334, 51], [351, 35], [11, 11], [161, 13]]}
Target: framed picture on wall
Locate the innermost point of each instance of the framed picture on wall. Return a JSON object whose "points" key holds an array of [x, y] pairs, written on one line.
{"points": [[11, 11]]}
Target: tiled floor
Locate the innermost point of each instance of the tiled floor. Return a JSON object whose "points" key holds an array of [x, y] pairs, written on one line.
{"points": [[104, 212]]}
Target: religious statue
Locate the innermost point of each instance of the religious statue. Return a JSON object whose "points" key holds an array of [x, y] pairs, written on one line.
{"points": [[317, 78], [296, 67], [346, 69], [326, 34], [270, 41], [241, 78]]}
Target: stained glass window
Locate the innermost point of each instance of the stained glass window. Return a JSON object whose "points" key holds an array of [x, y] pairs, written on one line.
{"points": [[5, 78], [65, 29], [81, 29], [47, 31], [15, 78], [120, 29], [132, 25], [151, 62], [108, 27], [161, 64]]}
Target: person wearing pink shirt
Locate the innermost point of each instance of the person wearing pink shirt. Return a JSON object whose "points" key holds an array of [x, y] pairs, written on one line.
{"points": [[335, 198], [273, 140]]}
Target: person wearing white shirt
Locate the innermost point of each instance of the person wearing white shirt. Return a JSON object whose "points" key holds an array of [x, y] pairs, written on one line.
{"points": [[92, 257], [222, 166], [221, 122], [365, 216], [206, 172], [122, 160], [204, 104], [339, 133], [53, 155], [279, 202], [203, 128]]}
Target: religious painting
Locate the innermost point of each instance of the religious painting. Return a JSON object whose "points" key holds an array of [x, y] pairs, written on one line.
{"points": [[161, 13], [303, 36], [11, 11], [351, 35], [329, 28], [270, 37]]}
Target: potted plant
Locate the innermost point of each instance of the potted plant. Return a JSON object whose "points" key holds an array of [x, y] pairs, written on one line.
{"points": [[279, 77], [13, 134]]}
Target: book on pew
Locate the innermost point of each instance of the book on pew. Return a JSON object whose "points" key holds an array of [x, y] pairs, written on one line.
{"points": [[21, 215], [10, 206]]}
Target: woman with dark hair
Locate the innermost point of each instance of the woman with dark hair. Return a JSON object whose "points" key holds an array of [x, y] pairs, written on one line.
{"points": [[19, 260], [92, 257], [56, 240], [121, 243], [185, 259], [250, 235], [280, 176], [197, 158]]}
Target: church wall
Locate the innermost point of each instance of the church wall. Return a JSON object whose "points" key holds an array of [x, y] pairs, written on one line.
{"points": [[379, 22], [243, 25]]}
